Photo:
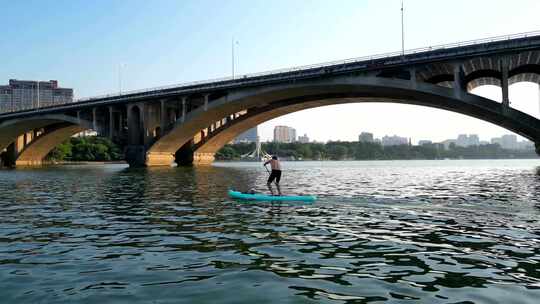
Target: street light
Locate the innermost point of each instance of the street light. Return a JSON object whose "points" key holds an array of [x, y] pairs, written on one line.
{"points": [[120, 66], [402, 32], [233, 43], [38, 93]]}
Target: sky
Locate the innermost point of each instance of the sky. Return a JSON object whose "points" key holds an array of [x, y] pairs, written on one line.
{"points": [[103, 46]]}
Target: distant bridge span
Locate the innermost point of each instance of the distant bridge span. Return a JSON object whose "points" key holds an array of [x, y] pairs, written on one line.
{"points": [[192, 121]]}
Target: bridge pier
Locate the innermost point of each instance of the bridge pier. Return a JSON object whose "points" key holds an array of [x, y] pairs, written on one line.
{"points": [[9, 157], [184, 156], [13, 151], [159, 159], [135, 155], [203, 159]]}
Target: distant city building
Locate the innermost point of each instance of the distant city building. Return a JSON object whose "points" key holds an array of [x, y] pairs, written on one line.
{"points": [[424, 142], [366, 137], [464, 140], [474, 140], [303, 139], [26, 94], [284, 134], [394, 141], [497, 140], [447, 143], [526, 145], [510, 142], [248, 137]]}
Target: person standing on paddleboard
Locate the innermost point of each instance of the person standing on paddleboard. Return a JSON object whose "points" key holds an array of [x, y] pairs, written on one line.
{"points": [[275, 174]]}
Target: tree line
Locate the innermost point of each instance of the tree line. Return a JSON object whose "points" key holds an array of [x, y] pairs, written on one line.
{"points": [[94, 148], [340, 150], [90, 148]]}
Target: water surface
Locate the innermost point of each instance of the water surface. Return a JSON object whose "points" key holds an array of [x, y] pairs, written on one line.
{"points": [[381, 232]]}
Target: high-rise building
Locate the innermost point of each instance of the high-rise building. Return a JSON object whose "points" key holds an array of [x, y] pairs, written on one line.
{"points": [[366, 137], [27, 94], [509, 141], [465, 140], [447, 143], [249, 136], [284, 134], [462, 140], [394, 140], [474, 140], [497, 140], [303, 139], [424, 142], [526, 145]]}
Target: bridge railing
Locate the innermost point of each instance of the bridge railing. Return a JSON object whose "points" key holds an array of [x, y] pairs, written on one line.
{"points": [[321, 65]]}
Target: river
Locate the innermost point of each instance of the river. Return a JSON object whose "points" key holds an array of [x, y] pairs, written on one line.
{"points": [[381, 232]]}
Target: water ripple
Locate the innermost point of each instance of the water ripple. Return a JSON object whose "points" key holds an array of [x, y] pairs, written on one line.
{"points": [[430, 232]]}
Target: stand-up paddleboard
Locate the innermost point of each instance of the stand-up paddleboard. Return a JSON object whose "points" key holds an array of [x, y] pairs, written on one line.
{"points": [[265, 197]]}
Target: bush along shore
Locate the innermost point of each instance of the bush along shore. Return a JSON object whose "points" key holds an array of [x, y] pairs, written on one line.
{"points": [[371, 151], [86, 149]]}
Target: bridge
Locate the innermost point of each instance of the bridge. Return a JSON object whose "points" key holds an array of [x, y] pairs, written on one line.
{"points": [[189, 123]]}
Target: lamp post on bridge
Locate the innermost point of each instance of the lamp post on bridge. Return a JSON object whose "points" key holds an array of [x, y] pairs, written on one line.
{"points": [[38, 94], [36, 105], [233, 42], [120, 66], [402, 32]]}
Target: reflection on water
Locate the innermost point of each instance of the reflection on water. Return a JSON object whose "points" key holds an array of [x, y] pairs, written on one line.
{"points": [[431, 232]]}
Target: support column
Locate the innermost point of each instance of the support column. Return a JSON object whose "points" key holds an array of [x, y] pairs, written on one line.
{"points": [[504, 82], [183, 109], [206, 102], [120, 124], [413, 77], [458, 80], [135, 151], [163, 118], [94, 120], [111, 123], [9, 157], [184, 156], [146, 121]]}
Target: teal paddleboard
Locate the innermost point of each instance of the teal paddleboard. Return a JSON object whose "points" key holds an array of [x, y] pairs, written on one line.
{"points": [[265, 197]]}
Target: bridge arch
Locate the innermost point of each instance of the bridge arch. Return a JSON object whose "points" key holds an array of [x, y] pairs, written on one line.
{"points": [[54, 129], [11, 129], [292, 97], [483, 77], [37, 150], [525, 73]]}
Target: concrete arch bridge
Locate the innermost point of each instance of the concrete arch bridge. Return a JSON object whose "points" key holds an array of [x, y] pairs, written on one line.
{"points": [[190, 122]]}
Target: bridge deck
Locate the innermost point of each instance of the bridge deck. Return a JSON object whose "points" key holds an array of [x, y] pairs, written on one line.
{"points": [[447, 52]]}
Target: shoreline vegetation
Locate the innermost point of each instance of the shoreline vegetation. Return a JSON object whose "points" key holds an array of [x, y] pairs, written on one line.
{"points": [[94, 149], [85, 149], [341, 150]]}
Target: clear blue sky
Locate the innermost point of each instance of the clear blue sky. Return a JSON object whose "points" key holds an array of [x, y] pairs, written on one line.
{"points": [[82, 43]]}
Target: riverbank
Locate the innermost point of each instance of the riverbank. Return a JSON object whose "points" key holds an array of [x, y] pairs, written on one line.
{"points": [[373, 151]]}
